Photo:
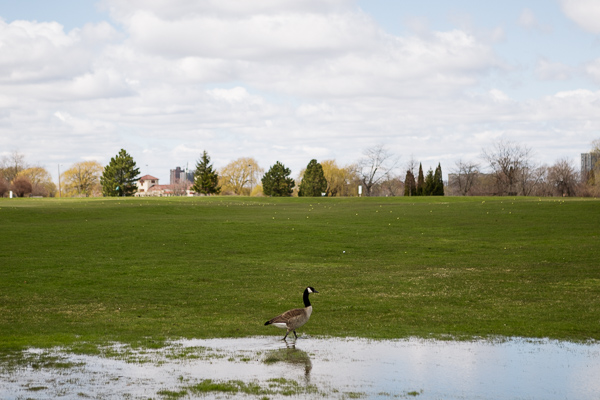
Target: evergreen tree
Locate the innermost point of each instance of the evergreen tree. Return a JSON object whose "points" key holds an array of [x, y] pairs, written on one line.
{"points": [[410, 186], [314, 182], [429, 183], [438, 182], [119, 176], [420, 182], [277, 182], [206, 179]]}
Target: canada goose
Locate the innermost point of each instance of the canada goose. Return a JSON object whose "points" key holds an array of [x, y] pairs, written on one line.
{"points": [[295, 318]]}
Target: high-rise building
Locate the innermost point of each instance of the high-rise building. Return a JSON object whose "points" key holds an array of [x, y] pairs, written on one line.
{"points": [[588, 162], [179, 175]]}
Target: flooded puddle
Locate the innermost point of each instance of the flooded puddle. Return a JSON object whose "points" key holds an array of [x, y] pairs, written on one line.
{"points": [[266, 367]]}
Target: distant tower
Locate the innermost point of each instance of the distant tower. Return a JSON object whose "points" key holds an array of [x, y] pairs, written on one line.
{"points": [[176, 175], [179, 175], [588, 161], [189, 174]]}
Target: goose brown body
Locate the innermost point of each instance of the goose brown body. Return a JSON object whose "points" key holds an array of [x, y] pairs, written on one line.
{"points": [[294, 318]]}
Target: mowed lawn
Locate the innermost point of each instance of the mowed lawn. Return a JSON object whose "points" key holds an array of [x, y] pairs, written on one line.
{"points": [[145, 270]]}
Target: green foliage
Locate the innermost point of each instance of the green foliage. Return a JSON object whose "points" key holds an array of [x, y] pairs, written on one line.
{"points": [[420, 182], [429, 183], [438, 182], [277, 182], [119, 176], [143, 270], [314, 182], [410, 186], [206, 179], [434, 183]]}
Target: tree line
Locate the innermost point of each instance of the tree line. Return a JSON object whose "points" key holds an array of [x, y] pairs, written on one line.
{"points": [[511, 171]]}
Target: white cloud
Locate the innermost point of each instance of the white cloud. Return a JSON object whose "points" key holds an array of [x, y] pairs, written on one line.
{"points": [[60, 116], [528, 20], [552, 71], [236, 94], [585, 13], [177, 9], [592, 69], [498, 95], [301, 51], [282, 38], [34, 52]]}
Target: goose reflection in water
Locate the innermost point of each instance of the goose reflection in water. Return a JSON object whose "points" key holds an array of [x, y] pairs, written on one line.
{"points": [[291, 355]]}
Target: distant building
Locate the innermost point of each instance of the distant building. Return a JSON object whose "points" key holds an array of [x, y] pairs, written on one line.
{"points": [[148, 186], [588, 162], [145, 183], [179, 175]]}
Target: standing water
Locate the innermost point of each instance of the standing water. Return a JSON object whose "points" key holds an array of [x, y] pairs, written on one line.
{"points": [[266, 367]]}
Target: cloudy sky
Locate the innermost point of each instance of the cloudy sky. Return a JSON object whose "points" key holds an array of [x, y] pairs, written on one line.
{"points": [[293, 80]]}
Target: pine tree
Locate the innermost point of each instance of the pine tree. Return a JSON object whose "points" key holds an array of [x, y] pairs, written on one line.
{"points": [[420, 182], [276, 182], [314, 182], [410, 187], [119, 176], [438, 182], [206, 180], [429, 183]]}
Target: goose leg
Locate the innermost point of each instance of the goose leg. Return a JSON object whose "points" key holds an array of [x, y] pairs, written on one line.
{"points": [[295, 334], [285, 335]]}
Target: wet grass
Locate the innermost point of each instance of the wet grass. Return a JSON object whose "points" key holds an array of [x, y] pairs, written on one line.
{"points": [[11, 361], [142, 271], [274, 386]]}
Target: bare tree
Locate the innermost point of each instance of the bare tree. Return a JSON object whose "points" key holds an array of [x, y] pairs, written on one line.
{"points": [[11, 165], [377, 163], [543, 187], [392, 185], [464, 176], [411, 164], [531, 177], [596, 146], [563, 177], [511, 166], [180, 187]]}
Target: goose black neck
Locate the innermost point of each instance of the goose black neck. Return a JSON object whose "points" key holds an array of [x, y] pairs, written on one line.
{"points": [[305, 298]]}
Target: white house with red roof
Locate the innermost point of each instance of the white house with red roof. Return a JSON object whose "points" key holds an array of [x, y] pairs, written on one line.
{"points": [[148, 185]]}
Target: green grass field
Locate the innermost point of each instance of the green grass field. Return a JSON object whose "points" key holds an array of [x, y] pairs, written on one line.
{"points": [[145, 270]]}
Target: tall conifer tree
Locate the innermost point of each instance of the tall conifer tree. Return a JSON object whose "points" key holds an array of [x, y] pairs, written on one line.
{"points": [[119, 176], [314, 182], [410, 186], [420, 182], [277, 182], [438, 182], [206, 179], [429, 183]]}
